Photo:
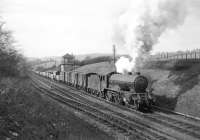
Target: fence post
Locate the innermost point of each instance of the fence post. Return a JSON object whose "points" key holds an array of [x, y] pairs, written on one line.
{"points": [[167, 55], [186, 55]]}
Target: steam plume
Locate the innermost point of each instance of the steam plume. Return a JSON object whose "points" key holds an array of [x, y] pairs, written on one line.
{"points": [[141, 25]]}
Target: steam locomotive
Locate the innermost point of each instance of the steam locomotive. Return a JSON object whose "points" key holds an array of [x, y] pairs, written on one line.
{"points": [[129, 89]]}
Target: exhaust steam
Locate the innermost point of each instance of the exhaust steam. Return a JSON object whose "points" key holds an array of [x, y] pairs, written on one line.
{"points": [[141, 25]]}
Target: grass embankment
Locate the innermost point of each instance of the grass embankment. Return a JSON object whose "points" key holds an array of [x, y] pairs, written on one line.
{"points": [[176, 85], [26, 115], [101, 68]]}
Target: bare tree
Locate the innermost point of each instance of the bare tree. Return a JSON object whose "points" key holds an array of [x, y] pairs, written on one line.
{"points": [[10, 59]]}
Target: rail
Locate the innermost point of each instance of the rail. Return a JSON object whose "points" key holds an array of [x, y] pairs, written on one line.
{"points": [[175, 123], [177, 113]]}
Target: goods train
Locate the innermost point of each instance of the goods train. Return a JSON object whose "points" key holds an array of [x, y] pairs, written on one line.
{"points": [[129, 89]]}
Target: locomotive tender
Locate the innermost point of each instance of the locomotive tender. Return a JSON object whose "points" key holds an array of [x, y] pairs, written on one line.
{"points": [[115, 87]]}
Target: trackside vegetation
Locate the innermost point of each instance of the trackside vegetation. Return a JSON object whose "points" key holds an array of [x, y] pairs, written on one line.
{"points": [[24, 113]]}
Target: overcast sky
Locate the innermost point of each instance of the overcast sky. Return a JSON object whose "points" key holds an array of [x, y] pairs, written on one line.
{"points": [[55, 27]]}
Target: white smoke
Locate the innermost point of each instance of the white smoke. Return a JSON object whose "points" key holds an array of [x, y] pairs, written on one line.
{"points": [[123, 65], [140, 27]]}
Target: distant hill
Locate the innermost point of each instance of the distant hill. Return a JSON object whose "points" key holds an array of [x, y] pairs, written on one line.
{"points": [[101, 68], [92, 55], [48, 62], [59, 58], [78, 57]]}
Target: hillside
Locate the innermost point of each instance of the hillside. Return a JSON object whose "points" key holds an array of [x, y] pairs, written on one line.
{"points": [[92, 55], [102, 68], [177, 88]]}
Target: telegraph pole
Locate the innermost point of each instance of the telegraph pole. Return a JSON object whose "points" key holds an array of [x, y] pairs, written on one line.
{"points": [[114, 53], [73, 63], [114, 56]]}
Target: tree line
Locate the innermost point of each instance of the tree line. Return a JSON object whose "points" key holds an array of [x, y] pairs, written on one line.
{"points": [[12, 63], [89, 60]]}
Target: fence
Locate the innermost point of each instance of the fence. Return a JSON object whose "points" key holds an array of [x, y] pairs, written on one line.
{"points": [[188, 55]]}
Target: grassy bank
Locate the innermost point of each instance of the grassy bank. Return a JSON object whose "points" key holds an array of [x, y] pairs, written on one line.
{"points": [[177, 88], [25, 114]]}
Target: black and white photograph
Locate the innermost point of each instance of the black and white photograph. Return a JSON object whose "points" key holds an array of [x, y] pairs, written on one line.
{"points": [[99, 69]]}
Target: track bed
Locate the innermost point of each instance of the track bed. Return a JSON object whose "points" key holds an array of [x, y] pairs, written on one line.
{"points": [[155, 125]]}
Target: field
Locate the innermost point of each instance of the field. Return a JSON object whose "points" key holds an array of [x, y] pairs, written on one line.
{"points": [[102, 68], [176, 87], [25, 114]]}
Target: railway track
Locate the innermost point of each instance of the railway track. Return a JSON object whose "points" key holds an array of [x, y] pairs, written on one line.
{"points": [[121, 125], [185, 116], [183, 127]]}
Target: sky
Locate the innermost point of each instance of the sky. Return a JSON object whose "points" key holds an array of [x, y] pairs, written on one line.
{"points": [[55, 27]]}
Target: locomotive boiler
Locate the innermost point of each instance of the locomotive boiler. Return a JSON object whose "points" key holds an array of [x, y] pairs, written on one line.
{"points": [[130, 89]]}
